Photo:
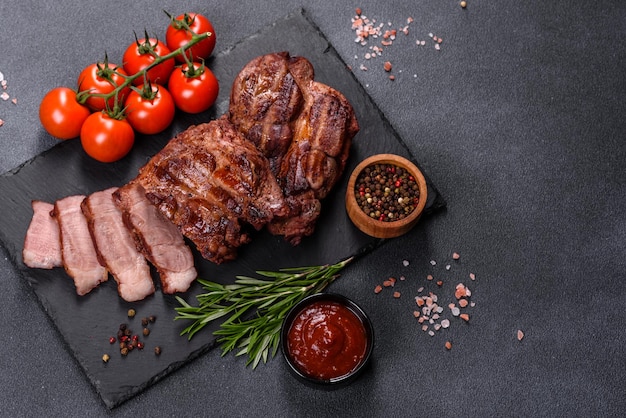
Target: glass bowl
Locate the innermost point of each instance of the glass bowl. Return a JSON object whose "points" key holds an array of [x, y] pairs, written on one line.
{"points": [[327, 340]]}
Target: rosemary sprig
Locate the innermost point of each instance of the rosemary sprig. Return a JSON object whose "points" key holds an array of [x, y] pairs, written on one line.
{"points": [[272, 298]]}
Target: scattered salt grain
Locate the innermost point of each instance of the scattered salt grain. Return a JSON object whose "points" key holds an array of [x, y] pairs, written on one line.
{"points": [[5, 96], [520, 334], [433, 262], [405, 263], [456, 256], [445, 323]]}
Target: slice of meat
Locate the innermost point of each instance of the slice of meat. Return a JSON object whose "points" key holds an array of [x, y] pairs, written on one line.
{"points": [[77, 249], [212, 182], [42, 244], [115, 246], [157, 238]]}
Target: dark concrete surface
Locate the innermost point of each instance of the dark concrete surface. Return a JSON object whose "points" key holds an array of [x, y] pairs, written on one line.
{"points": [[519, 120]]}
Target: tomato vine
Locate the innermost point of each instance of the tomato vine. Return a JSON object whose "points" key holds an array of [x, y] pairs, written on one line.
{"points": [[104, 87]]}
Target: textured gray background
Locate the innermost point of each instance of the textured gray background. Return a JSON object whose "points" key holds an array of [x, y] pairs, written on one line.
{"points": [[519, 121]]}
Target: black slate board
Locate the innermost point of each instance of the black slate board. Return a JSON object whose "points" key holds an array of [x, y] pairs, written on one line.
{"points": [[86, 323]]}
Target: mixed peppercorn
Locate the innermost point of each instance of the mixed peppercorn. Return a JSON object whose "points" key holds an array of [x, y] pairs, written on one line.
{"points": [[129, 341], [386, 192]]}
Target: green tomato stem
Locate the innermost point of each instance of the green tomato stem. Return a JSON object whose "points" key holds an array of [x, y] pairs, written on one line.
{"points": [[117, 111]]}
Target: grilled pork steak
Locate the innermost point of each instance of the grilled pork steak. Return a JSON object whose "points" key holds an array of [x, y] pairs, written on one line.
{"points": [[265, 101], [211, 182], [77, 248], [42, 245], [304, 127], [157, 238], [115, 247]]}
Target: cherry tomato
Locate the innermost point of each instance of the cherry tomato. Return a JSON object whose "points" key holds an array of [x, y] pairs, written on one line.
{"points": [[143, 53], [102, 78], [177, 35], [106, 139], [151, 110], [60, 113], [193, 91]]}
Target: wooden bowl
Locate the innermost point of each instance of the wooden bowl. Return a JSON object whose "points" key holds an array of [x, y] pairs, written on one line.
{"points": [[372, 226]]}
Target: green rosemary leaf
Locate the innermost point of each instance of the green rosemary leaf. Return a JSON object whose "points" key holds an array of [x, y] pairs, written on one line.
{"points": [[244, 280], [258, 336]]}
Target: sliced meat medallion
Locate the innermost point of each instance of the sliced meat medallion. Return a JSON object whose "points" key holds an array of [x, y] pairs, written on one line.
{"points": [[42, 245], [77, 249], [115, 246], [157, 238]]}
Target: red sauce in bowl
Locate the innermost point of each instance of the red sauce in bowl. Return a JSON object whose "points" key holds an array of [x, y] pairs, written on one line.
{"points": [[327, 340]]}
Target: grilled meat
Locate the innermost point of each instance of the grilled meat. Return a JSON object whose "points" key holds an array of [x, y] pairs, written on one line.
{"points": [[211, 183], [305, 128], [116, 248], [157, 238], [42, 245], [77, 248]]}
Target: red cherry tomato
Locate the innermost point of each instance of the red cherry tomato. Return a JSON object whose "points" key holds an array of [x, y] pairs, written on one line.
{"points": [[177, 35], [143, 53], [193, 91], [60, 113], [106, 139], [102, 78], [150, 111]]}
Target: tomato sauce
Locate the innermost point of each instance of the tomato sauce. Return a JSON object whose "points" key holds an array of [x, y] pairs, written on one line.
{"points": [[327, 340]]}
